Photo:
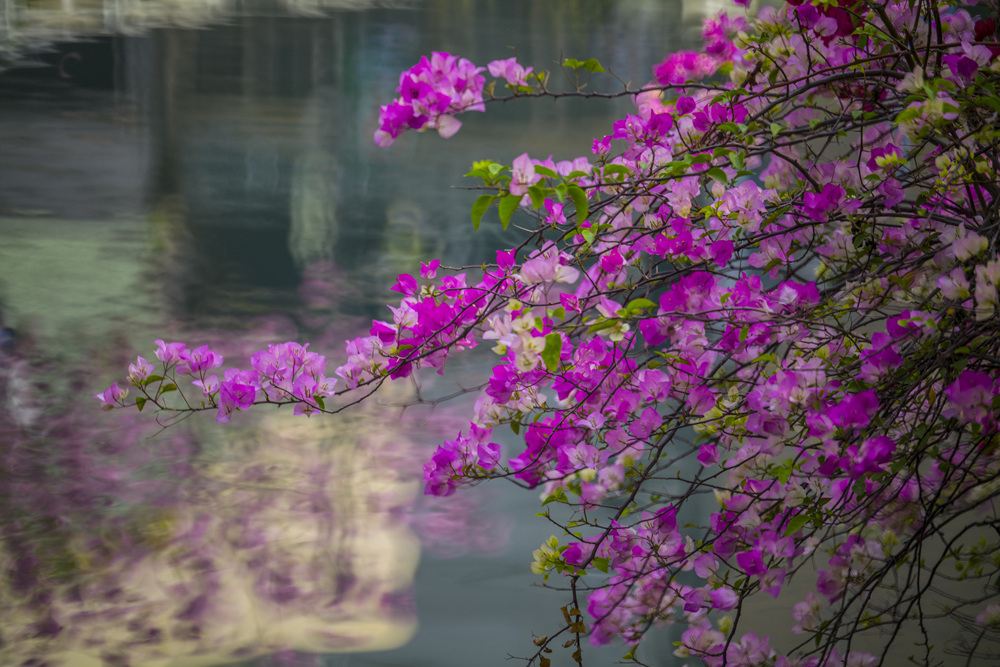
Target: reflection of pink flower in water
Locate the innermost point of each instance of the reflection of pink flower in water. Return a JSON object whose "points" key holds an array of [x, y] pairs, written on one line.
{"points": [[185, 548], [449, 529]]}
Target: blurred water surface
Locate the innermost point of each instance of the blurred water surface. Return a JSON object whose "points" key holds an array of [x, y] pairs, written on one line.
{"points": [[205, 172]]}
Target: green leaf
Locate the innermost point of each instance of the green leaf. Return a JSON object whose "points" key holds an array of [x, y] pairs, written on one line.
{"points": [[718, 175], [590, 64], [796, 523], [613, 169], [140, 402], [516, 427], [784, 471], [636, 304], [151, 379], [487, 169], [537, 194], [479, 208], [908, 114], [557, 496], [320, 402], [991, 102], [552, 351], [601, 564], [168, 388], [579, 198], [508, 204], [545, 171], [601, 325]]}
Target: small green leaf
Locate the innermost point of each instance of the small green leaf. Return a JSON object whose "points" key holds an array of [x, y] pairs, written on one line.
{"points": [[479, 208], [552, 351], [908, 114], [515, 427], [991, 102], [485, 169], [590, 64], [508, 204], [140, 402], [537, 195], [167, 388], [601, 564], [151, 379], [784, 471], [545, 171], [601, 325], [717, 175], [796, 523], [579, 198], [615, 169], [636, 304]]}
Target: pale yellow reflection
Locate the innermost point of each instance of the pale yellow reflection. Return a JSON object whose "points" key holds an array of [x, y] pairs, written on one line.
{"points": [[290, 535]]}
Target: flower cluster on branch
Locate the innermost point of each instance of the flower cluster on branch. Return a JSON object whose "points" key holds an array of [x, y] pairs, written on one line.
{"points": [[774, 284]]}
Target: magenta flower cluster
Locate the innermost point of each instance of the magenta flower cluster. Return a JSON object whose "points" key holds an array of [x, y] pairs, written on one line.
{"points": [[436, 89], [430, 94], [284, 372]]}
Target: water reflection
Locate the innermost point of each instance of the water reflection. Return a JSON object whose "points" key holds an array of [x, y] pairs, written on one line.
{"points": [[287, 534], [220, 186]]}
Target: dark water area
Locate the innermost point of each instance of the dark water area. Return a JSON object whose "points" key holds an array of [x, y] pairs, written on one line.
{"points": [[207, 174]]}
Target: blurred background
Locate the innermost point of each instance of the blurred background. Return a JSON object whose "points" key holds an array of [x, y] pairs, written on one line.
{"points": [[205, 171]]}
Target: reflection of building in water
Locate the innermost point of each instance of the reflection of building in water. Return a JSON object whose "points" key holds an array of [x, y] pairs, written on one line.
{"points": [[257, 130], [24, 24], [261, 134]]}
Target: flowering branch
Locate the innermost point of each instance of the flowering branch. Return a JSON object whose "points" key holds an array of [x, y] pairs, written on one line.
{"points": [[777, 290]]}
